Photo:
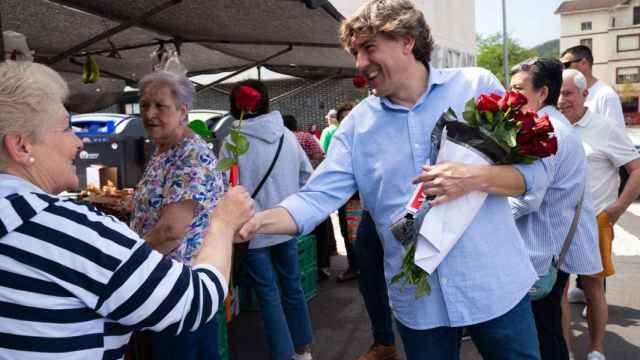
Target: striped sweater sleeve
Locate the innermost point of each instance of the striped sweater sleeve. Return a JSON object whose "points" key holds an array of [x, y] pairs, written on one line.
{"points": [[107, 266]]}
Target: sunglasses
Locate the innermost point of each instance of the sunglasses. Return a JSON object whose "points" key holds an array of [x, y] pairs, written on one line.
{"points": [[567, 64]]}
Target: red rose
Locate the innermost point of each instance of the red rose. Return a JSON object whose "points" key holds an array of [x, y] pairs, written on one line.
{"points": [[488, 103], [543, 125], [540, 147], [512, 99], [551, 145], [526, 119], [247, 98], [359, 81]]}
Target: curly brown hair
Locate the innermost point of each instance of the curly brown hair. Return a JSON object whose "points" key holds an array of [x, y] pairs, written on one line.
{"points": [[393, 18]]}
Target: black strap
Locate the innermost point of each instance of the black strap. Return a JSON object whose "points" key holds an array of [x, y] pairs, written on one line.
{"points": [[273, 163]]}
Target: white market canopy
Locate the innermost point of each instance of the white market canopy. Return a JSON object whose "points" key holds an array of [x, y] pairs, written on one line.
{"points": [[294, 37]]}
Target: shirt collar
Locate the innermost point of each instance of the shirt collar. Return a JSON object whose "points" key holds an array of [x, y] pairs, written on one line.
{"points": [[436, 77], [585, 120]]}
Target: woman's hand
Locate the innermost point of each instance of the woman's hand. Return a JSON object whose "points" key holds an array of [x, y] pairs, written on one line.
{"points": [[235, 208]]}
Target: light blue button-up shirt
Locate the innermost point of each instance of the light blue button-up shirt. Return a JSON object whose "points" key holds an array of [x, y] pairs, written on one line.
{"points": [[544, 214], [378, 149]]}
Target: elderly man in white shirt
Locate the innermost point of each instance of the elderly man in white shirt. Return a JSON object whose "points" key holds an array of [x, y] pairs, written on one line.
{"points": [[607, 147]]}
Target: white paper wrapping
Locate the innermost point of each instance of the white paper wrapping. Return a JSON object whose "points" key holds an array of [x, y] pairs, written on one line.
{"points": [[444, 224]]}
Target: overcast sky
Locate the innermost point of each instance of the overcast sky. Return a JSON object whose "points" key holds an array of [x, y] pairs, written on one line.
{"points": [[530, 22]]}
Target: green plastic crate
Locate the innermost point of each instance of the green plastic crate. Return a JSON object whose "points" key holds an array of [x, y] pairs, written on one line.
{"points": [[223, 337], [309, 281], [307, 253]]}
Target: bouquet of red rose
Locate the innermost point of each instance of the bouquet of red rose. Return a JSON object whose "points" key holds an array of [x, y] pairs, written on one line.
{"points": [[494, 130], [247, 100]]}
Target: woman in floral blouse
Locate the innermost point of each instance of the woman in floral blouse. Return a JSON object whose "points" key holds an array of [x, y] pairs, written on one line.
{"points": [[178, 190]]}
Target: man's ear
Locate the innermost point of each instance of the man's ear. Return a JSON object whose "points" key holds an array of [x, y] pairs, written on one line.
{"points": [[408, 43], [18, 147]]}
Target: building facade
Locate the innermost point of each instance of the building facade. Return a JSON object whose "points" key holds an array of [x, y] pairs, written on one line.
{"points": [[611, 28]]}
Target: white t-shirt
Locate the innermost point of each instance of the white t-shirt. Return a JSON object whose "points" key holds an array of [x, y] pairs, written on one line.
{"points": [[607, 147], [603, 100]]}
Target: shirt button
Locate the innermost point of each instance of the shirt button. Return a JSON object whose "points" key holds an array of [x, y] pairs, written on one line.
{"points": [[444, 281]]}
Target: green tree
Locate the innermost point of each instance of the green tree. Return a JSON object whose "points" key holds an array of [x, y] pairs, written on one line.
{"points": [[490, 53]]}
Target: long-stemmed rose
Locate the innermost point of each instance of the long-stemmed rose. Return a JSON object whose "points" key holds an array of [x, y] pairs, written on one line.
{"points": [[247, 100]]}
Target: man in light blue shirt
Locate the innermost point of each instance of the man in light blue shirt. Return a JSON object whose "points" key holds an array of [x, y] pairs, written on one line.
{"points": [[379, 148]]}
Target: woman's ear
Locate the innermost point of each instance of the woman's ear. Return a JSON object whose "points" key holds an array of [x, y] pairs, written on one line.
{"points": [[544, 94], [18, 147]]}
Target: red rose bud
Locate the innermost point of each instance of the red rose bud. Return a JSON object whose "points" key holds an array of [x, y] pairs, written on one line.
{"points": [[543, 125], [359, 81], [247, 98], [512, 99], [487, 103]]}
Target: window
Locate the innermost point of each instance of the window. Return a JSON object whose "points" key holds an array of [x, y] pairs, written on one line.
{"points": [[132, 108], [628, 75], [636, 15], [628, 42], [588, 43], [585, 26], [630, 104]]}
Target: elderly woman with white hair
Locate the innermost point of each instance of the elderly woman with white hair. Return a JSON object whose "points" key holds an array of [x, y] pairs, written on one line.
{"points": [[74, 283], [178, 190]]}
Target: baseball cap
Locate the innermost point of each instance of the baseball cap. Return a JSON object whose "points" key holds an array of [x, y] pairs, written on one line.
{"points": [[332, 113]]}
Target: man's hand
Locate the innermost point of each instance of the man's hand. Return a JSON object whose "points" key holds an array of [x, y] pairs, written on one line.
{"points": [[613, 213], [250, 229], [446, 181], [235, 208]]}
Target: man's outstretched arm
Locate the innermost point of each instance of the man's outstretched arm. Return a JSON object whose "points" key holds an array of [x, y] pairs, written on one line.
{"points": [[271, 221]]}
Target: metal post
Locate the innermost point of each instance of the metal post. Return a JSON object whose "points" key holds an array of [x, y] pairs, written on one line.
{"points": [[505, 44], [133, 22], [243, 69], [1, 41]]}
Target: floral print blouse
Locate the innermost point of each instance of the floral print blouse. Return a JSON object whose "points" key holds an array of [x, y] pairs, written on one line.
{"points": [[184, 172]]}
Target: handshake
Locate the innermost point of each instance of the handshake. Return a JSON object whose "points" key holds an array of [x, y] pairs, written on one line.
{"points": [[236, 211]]}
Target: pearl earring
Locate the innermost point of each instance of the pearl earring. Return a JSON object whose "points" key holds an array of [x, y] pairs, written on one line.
{"points": [[32, 159]]}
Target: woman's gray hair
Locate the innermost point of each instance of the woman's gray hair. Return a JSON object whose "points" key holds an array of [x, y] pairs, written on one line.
{"points": [[180, 86], [578, 78], [28, 93]]}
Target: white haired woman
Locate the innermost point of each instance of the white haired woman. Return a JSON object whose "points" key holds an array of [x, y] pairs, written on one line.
{"points": [[178, 190], [75, 283]]}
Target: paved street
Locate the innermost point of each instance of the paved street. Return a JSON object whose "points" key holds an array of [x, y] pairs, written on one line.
{"points": [[341, 327]]}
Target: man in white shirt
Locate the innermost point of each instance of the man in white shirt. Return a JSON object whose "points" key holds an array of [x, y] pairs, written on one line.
{"points": [[607, 147], [602, 99]]}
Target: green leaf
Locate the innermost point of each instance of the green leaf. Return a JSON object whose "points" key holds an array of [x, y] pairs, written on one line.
{"points": [[489, 116], [452, 113], [235, 135], [510, 138], [470, 118], [242, 145], [231, 148], [200, 127], [225, 164], [470, 105]]}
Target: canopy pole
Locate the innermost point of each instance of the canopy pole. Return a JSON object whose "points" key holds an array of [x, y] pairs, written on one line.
{"points": [[106, 34], [301, 89], [2, 40], [240, 71]]}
